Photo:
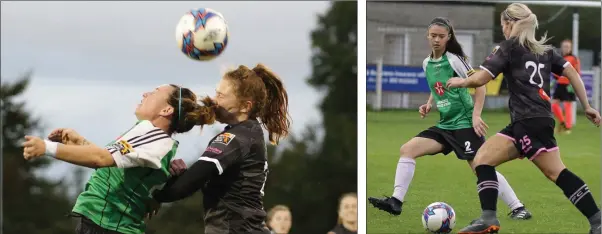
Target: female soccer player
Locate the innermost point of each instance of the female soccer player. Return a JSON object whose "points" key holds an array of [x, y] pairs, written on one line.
{"points": [[129, 167], [233, 169], [460, 128], [280, 219], [526, 64], [564, 92], [347, 222]]}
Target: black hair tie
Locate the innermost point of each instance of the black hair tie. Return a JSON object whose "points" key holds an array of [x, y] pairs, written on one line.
{"points": [[510, 17]]}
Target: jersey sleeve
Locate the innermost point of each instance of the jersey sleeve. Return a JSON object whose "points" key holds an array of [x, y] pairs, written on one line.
{"points": [[558, 63], [424, 63], [460, 66], [146, 150], [225, 150], [498, 60]]}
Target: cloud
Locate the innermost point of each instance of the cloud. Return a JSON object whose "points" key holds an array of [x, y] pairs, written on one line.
{"points": [[93, 60], [108, 40]]}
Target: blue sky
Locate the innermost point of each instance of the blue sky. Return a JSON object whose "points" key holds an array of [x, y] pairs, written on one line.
{"points": [[93, 60]]}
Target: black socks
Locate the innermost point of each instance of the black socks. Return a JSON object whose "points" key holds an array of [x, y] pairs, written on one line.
{"points": [[577, 192], [487, 187]]}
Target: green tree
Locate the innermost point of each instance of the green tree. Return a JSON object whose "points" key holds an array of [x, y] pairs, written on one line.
{"points": [[313, 174], [30, 204]]}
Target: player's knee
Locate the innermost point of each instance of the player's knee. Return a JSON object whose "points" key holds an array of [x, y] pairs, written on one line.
{"points": [[481, 159], [408, 151], [552, 173]]}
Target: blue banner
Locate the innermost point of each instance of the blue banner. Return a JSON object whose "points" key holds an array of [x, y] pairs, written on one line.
{"points": [[588, 81], [397, 78]]}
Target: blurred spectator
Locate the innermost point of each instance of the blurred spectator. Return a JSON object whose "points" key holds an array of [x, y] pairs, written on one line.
{"points": [[347, 223], [280, 219]]}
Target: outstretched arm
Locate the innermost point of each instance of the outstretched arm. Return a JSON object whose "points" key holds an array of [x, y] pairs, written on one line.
{"points": [[123, 153], [478, 79], [495, 64], [85, 155], [188, 183], [223, 151]]}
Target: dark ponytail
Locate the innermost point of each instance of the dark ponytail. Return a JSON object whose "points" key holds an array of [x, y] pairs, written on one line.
{"points": [[274, 114], [452, 45], [187, 112]]}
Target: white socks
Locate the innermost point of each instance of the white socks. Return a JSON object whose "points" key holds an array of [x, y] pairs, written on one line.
{"points": [[403, 177], [405, 173], [506, 193]]}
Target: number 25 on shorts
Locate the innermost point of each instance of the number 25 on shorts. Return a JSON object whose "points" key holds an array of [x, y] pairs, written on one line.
{"points": [[525, 143]]}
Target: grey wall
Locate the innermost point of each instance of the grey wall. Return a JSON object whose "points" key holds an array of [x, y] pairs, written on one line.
{"points": [[412, 18]]}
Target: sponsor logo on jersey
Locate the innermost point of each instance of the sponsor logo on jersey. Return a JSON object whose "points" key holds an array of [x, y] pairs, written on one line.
{"points": [[544, 95], [439, 88], [224, 138], [123, 146], [214, 150], [443, 103]]}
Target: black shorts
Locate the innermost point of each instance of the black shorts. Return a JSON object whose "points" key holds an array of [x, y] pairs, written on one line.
{"points": [[86, 226], [532, 136], [562, 93], [464, 142]]}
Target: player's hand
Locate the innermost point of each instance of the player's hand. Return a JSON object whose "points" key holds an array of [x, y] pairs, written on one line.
{"points": [[152, 208], [56, 135], [593, 115], [424, 110], [480, 127], [455, 82], [33, 147], [66, 136], [177, 167]]}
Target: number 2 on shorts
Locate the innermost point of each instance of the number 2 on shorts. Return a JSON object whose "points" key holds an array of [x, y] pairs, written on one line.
{"points": [[467, 145]]}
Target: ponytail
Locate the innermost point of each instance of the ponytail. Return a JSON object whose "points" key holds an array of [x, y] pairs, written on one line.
{"points": [[187, 112], [274, 114], [206, 113]]}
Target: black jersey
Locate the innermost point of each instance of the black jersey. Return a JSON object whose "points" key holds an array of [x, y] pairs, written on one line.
{"points": [[233, 201], [528, 76], [340, 229]]}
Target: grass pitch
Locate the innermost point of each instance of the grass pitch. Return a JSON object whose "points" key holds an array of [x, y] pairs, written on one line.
{"points": [[447, 179]]}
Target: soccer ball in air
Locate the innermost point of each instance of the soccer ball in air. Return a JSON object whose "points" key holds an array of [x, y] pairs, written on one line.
{"points": [[202, 34], [439, 217]]}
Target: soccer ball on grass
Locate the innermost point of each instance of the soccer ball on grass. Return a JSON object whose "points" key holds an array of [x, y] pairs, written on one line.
{"points": [[439, 217]]}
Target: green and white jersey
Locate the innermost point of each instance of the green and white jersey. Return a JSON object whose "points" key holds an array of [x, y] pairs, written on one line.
{"points": [[455, 105], [114, 197]]}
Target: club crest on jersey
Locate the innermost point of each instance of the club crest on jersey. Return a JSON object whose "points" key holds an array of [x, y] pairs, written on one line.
{"points": [[123, 146], [224, 138], [439, 88]]}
